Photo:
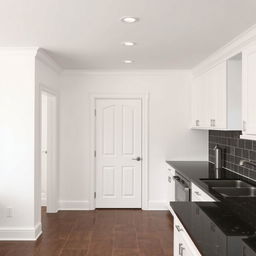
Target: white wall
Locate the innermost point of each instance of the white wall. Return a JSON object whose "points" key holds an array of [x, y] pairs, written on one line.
{"points": [[169, 135], [21, 76], [17, 143]]}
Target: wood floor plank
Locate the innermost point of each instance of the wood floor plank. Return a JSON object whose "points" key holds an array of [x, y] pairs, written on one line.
{"points": [[101, 232]]}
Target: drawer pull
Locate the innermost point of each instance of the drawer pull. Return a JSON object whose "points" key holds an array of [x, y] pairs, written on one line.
{"points": [[178, 228], [180, 246], [197, 193]]}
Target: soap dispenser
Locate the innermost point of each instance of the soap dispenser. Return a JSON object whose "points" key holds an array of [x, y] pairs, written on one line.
{"points": [[218, 157]]}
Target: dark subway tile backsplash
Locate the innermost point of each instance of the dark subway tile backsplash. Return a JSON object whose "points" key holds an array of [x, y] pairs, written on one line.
{"points": [[234, 149]]}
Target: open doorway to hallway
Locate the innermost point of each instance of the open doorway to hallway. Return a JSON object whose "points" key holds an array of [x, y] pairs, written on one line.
{"points": [[44, 151], [49, 174]]}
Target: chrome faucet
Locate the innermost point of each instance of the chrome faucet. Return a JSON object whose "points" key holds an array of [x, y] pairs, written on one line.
{"points": [[249, 162]]}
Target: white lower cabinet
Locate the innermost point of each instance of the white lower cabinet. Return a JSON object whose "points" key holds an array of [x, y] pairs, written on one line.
{"points": [[171, 184], [183, 245], [198, 195]]}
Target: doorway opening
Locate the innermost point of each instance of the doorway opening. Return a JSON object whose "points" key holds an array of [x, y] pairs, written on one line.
{"points": [[49, 174]]}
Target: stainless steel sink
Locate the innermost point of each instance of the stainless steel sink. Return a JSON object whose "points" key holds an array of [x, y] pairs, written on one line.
{"points": [[226, 183], [236, 192]]}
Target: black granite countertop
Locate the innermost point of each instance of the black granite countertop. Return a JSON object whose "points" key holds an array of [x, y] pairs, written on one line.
{"points": [[234, 217]]}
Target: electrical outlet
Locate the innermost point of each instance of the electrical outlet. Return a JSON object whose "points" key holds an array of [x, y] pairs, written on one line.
{"points": [[9, 212]]}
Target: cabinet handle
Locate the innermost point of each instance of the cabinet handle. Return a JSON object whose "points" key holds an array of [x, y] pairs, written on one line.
{"points": [[178, 228], [170, 179], [197, 122], [213, 122], [244, 251], [212, 227], [180, 246], [244, 126], [197, 193], [181, 250]]}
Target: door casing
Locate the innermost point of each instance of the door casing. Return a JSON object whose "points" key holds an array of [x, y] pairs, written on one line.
{"points": [[144, 168]]}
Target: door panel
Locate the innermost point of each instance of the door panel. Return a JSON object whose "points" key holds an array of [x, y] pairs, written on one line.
{"points": [[128, 130], [118, 143], [108, 130], [108, 184], [128, 182]]}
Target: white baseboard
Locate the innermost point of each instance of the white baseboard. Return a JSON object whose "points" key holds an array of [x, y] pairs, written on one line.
{"points": [[74, 205], [157, 205], [20, 234], [43, 199]]}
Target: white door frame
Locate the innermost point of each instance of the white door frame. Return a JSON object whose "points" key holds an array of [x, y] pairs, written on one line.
{"points": [[144, 168], [52, 177]]}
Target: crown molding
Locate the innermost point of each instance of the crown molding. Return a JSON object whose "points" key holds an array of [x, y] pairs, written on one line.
{"points": [[229, 50], [30, 51], [123, 72], [43, 57]]}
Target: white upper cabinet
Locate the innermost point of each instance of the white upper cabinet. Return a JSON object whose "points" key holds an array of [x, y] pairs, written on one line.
{"points": [[216, 97], [199, 102], [249, 92]]}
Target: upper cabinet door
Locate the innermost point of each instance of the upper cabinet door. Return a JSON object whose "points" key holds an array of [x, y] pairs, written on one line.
{"points": [[218, 96], [209, 99], [199, 102], [249, 91], [216, 100]]}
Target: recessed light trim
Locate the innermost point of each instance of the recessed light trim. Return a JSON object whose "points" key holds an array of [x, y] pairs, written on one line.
{"points": [[128, 61], [128, 43], [129, 19]]}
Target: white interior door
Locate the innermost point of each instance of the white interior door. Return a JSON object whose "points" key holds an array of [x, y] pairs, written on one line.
{"points": [[118, 153]]}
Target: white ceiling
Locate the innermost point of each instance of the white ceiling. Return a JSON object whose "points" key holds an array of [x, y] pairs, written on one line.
{"points": [[87, 34]]}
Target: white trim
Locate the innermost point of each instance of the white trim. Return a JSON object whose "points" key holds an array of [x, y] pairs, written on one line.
{"points": [[30, 51], [157, 205], [43, 199], [73, 205], [248, 137], [145, 122], [20, 234], [232, 48], [122, 72], [43, 57]]}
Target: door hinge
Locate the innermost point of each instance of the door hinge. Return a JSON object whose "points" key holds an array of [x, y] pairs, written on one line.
{"points": [[94, 194], [94, 153]]}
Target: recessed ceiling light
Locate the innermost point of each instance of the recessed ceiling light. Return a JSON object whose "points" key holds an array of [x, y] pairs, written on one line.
{"points": [[128, 43], [129, 19], [128, 61]]}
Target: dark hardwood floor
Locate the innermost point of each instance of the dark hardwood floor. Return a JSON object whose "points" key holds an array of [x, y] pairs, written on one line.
{"points": [[100, 232]]}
